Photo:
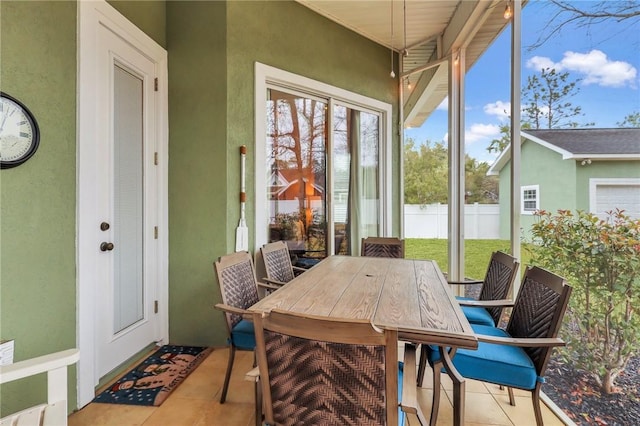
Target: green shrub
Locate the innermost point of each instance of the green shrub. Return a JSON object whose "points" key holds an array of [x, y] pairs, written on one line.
{"points": [[601, 260]]}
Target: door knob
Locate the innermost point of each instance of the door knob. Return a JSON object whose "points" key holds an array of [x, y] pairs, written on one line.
{"points": [[106, 246]]}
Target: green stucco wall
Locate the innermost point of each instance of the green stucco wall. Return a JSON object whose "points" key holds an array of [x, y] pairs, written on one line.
{"points": [[197, 168], [148, 15], [212, 47], [37, 199], [556, 179]]}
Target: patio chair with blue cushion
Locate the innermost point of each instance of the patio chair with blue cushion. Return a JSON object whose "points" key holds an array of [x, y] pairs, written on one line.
{"points": [[516, 357], [239, 291], [487, 310], [319, 370]]}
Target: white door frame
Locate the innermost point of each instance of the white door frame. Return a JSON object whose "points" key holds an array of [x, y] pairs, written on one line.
{"points": [[92, 15]]}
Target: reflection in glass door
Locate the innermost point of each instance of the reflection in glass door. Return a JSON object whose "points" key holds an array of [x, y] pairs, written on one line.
{"points": [[299, 149], [355, 177], [296, 167]]}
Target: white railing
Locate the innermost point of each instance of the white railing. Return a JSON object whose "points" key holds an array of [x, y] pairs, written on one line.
{"points": [[54, 412]]}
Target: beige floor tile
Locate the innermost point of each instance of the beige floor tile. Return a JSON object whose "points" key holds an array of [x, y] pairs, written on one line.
{"points": [[229, 413], [482, 408], [178, 411], [111, 415], [522, 413]]}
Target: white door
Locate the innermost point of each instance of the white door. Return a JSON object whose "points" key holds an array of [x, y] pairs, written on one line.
{"points": [[126, 145], [122, 267]]}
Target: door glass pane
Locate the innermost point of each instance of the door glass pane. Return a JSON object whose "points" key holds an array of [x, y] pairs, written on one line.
{"points": [[296, 172], [355, 173], [127, 186]]}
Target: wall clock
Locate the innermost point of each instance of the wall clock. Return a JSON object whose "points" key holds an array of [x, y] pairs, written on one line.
{"points": [[19, 133]]}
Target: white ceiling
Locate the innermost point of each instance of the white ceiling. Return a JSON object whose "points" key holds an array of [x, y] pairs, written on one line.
{"points": [[452, 23]]}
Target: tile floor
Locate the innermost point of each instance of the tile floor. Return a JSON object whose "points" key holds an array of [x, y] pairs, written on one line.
{"points": [[196, 402]]}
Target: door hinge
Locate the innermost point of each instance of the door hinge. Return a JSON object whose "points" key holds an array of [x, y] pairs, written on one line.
{"points": [[155, 232], [155, 84], [155, 306], [155, 158]]}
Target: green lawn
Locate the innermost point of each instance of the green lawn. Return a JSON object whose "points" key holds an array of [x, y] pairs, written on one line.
{"points": [[476, 259]]}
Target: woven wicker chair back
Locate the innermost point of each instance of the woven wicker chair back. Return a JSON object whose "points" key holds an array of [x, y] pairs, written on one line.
{"points": [[325, 380], [277, 261], [382, 247], [538, 311], [237, 283], [498, 281]]}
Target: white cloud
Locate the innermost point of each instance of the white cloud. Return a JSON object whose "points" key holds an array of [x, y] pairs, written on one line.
{"points": [[595, 67], [444, 105], [539, 62], [598, 69], [478, 132], [499, 109]]}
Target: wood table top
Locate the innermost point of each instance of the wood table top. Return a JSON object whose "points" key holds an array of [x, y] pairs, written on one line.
{"points": [[409, 295]]}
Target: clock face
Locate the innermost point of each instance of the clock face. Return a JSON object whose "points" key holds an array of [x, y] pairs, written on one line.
{"points": [[19, 134]]}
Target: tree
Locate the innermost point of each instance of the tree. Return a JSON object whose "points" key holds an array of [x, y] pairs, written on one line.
{"points": [[584, 14], [631, 120], [545, 100], [498, 145], [545, 105], [425, 173], [426, 176]]}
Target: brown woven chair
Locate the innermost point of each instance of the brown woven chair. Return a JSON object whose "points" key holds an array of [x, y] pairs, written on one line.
{"points": [[318, 370], [239, 291], [382, 247], [277, 263], [516, 357], [487, 310]]}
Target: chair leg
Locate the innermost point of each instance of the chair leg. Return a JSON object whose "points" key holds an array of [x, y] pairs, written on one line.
{"points": [[422, 365], [227, 377], [535, 398], [512, 399], [435, 401]]}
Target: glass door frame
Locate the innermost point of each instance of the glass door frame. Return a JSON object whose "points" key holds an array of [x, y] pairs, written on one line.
{"points": [[267, 77]]}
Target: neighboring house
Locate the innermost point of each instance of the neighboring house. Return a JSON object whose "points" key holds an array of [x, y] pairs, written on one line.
{"points": [[595, 170]]}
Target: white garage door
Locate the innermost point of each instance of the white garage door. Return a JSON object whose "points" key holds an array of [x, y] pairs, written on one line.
{"points": [[609, 196]]}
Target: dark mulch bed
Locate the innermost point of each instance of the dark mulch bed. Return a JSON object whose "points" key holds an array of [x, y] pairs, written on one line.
{"points": [[577, 394]]}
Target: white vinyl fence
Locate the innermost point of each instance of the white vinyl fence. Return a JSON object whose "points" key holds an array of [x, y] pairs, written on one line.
{"points": [[481, 221]]}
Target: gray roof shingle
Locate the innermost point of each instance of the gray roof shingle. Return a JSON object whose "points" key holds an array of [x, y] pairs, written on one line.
{"points": [[624, 141]]}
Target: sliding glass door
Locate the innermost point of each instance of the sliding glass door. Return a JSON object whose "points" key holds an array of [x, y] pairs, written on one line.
{"points": [[322, 173]]}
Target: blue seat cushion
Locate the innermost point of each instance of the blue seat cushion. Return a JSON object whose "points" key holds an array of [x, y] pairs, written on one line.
{"points": [[476, 314], [401, 416], [242, 335], [493, 363]]}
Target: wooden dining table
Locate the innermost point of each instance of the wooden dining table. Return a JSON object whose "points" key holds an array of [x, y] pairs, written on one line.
{"points": [[411, 296]]}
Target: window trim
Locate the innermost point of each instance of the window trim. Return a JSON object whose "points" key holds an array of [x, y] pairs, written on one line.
{"points": [[522, 198], [269, 77]]}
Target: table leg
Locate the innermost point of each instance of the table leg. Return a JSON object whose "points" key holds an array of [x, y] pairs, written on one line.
{"points": [[458, 385]]}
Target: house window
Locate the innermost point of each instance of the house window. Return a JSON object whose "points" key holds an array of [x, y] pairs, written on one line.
{"points": [[530, 199], [323, 166]]}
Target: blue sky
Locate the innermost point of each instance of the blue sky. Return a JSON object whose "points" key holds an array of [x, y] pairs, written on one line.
{"points": [[606, 57]]}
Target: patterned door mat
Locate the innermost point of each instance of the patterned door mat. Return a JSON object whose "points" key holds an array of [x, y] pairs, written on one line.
{"points": [[151, 381]]}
